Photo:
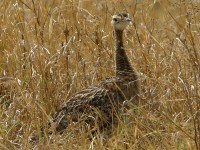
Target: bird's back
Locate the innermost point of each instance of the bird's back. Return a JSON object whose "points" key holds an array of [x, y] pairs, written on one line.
{"points": [[97, 104]]}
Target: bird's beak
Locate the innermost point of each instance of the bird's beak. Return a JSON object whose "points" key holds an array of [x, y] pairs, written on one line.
{"points": [[128, 19]]}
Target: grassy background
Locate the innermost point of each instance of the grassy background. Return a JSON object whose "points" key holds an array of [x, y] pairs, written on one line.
{"points": [[51, 49]]}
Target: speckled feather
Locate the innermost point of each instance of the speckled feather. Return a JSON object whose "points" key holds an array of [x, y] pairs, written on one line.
{"points": [[94, 104]]}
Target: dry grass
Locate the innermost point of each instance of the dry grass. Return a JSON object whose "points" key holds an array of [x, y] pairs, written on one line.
{"points": [[41, 66]]}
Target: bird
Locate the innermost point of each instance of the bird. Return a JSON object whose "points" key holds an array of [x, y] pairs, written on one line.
{"points": [[98, 104]]}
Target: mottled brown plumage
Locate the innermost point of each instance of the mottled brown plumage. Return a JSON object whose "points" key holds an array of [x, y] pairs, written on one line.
{"points": [[99, 104]]}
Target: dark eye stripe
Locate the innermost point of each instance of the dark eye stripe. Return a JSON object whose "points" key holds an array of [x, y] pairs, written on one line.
{"points": [[125, 15]]}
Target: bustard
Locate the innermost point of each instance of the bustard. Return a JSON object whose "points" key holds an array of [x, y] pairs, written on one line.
{"points": [[98, 103]]}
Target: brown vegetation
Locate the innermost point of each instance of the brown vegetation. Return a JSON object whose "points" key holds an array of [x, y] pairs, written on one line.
{"points": [[51, 49]]}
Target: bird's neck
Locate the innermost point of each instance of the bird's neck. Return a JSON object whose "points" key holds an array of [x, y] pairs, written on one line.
{"points": [[123, 66]]}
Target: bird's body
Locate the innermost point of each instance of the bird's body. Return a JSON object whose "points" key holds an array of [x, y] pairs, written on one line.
{"points": [[99, 104], [93, 104]]}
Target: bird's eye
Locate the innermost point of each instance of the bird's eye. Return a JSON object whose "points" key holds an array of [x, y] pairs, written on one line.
{"points": [[115, 19]]}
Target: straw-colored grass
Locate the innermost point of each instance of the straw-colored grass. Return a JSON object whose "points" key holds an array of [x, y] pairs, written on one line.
{"points": [[51, 49]]}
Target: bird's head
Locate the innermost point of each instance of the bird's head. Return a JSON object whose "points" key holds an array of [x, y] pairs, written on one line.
{"points": [[120, 21]]}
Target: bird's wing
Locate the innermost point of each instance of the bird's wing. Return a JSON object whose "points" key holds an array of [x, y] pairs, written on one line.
{"points": [[98, 99]]}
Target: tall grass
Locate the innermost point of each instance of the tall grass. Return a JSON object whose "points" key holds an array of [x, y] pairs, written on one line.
{"points": [[51, 49]]}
